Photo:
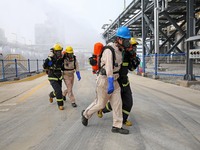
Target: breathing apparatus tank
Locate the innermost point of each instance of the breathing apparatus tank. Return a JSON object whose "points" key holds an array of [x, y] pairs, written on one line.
{"points": [[95, 57]]}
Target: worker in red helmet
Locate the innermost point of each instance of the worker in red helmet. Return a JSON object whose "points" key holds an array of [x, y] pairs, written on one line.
{"points": [[70, 67]]}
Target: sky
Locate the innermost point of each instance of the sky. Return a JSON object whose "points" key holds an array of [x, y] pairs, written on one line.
{"points": [[82, 19]]}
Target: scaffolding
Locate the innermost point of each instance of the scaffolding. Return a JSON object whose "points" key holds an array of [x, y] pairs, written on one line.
{"points": [[177, 20]]}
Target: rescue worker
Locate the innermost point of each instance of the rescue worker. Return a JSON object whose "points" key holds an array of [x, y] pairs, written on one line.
{"points": [[70, 67], [130, 63], [53, 65], [107, 87]]}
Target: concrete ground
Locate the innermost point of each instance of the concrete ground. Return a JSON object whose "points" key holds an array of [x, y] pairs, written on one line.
{"points": [[164, 116]]}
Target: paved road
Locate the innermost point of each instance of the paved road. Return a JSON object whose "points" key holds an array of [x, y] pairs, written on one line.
{"points": [[165, 116]]}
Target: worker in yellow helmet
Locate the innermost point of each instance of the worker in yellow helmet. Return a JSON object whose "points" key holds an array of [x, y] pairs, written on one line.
{"points": [[53, 64], [70, 67], [130, 63], [133, 41]]}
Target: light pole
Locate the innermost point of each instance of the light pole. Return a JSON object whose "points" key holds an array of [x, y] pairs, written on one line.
{"points": [[24, 40], [110, 21], [105, 26], [124, 4], [30, 42], [15, 36]]}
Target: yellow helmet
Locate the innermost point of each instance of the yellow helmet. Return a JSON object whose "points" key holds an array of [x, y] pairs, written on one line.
{"points": [[57, 47], [69, 50], [133, 41]]}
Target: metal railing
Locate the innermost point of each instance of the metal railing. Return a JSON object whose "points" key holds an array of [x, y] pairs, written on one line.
{"points": [[10, 69], [167, 65]]}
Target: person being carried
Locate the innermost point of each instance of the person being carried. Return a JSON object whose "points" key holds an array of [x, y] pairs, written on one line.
{"points": [[70, 67], [130, 63], [107, 87]]}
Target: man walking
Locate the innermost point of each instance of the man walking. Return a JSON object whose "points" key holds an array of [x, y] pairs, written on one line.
{"points": [[70, 67], [107, 87], [53, 65], [130, 63]]}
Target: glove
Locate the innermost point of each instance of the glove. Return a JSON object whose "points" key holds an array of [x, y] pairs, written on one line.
{"points": [[136, 62], [50, 63], [92, 61], [78, 75], [110, 85], [47, 71]]}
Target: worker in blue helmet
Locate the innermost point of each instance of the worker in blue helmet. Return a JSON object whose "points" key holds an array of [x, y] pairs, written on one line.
{"points": [[107, 87], [123, 37], [123, 32], [130, 63]]}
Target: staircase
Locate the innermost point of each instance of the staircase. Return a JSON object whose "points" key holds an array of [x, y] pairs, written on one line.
{"points": [[9, 61]]}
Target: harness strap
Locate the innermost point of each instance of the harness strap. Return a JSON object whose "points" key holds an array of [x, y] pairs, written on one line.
{"points": [[68, 69]]}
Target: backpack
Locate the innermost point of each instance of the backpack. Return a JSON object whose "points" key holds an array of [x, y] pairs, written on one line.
{"points": [[95, 60], [74, 63]]}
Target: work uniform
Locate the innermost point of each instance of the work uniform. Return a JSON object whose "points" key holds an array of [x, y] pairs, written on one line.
{"points": [[55, 77], [102, 95], [126, 93], [70, 67]]}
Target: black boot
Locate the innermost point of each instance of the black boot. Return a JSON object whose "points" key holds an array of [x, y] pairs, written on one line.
{"points": [[64, 98], [84, 120], [74, 105], [120, 130]]}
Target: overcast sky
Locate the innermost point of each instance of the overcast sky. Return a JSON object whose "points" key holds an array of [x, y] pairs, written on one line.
{"points": [[83, 18]]}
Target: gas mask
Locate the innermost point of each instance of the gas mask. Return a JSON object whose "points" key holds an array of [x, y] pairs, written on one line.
{"points": [[126, 43], [58, 54], [132, 50], [70, 56]]}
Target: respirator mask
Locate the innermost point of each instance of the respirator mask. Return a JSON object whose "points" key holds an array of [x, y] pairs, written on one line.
{"points": [[58, 54], [126, 43], [70, 56]]}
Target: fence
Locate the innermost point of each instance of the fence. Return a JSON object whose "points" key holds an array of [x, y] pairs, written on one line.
{"points": [[164, 65], [168, 65], [18, 68]]}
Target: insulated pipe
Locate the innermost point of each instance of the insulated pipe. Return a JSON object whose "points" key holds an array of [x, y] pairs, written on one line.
{"points": [[156, 26], [164, 5], [156, 33]]}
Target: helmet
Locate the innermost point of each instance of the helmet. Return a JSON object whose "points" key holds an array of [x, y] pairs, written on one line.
{"points": [[57, 47], [69, 50], [133, 41], [123, 32]]}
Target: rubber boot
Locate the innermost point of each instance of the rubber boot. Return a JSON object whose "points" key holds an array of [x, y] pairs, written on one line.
{"points": [[61, 107], [100, 113]]}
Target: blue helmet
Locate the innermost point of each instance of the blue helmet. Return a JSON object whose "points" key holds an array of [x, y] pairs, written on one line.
{"points": [[123, 32]]}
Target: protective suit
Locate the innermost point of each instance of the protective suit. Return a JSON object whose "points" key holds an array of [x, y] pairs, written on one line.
{"points": [[70, 67], [130, 63], [107, 86], [53, 66]]}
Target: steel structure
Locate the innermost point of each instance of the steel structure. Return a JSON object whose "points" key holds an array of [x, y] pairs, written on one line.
{"points": [[176, 17]]}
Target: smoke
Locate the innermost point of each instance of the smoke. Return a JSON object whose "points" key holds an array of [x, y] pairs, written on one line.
{"points": [[19, 18]]}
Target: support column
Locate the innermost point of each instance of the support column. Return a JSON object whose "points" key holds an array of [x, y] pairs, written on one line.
{"points": [[143, 37], [190, 32], [156, 35]]}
